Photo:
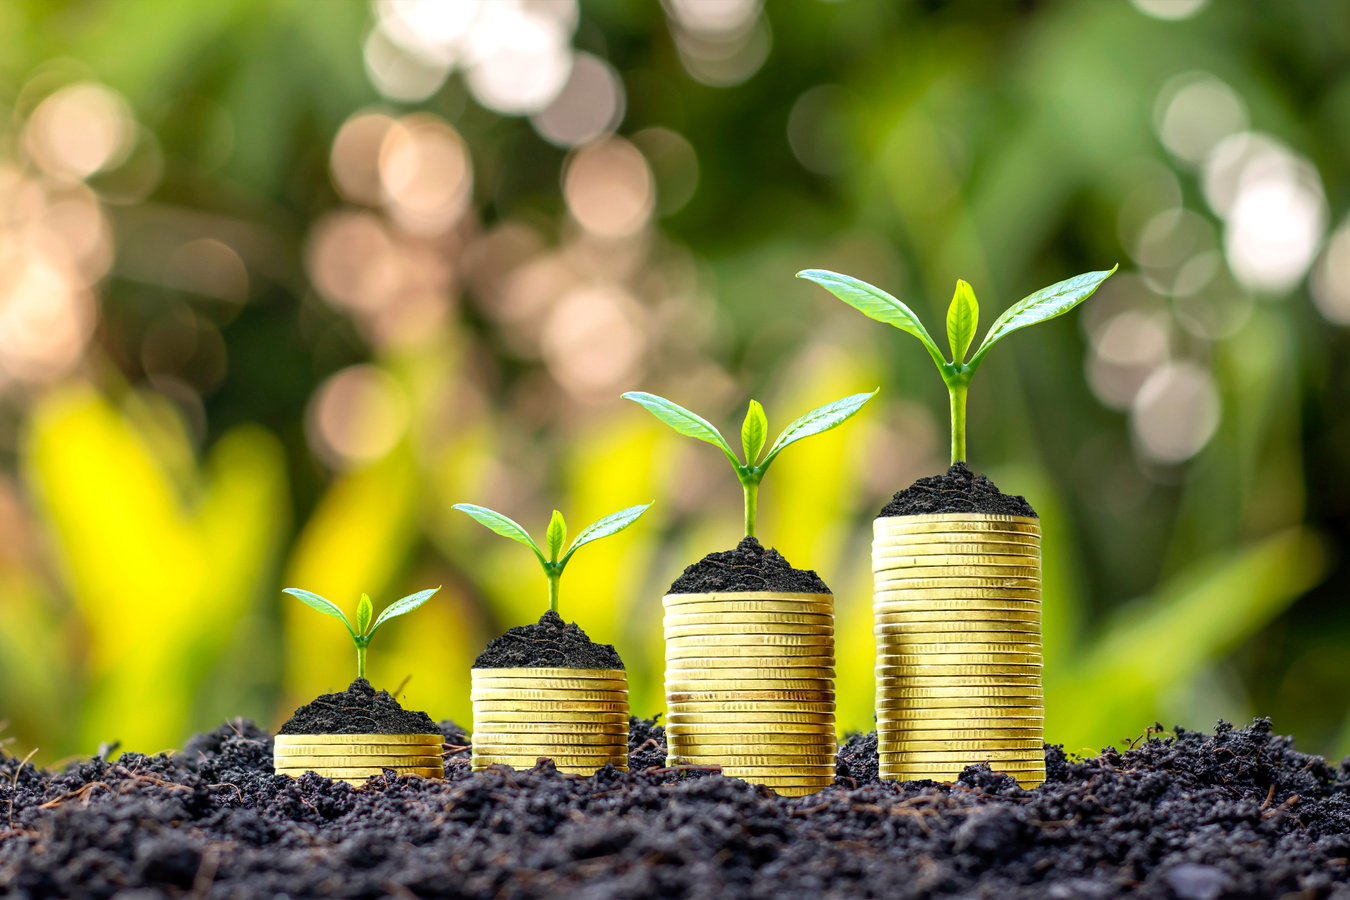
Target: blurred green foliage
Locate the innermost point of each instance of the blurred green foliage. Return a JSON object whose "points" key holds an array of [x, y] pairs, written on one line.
{"points": [[223, 395]]}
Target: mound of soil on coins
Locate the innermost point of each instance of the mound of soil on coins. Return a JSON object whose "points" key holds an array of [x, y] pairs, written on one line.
{"points": [[747, 568], [1239, 813], [360, 709], [959, 490], [548, 643]]}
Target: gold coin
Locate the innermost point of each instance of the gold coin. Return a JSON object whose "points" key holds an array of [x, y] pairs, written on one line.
{"points": [[966, 516], [962, 733], [750, 662], [969, 564], [552, 685], [399, 751], [956, 765], [760, 762], [427, 740], [1010, 679], [783, 783], [954, 539], [614, 701], [758, 684], [747, 696], [737, 651], [887, 583], [808, 607], [743, 727], [996, 689], [361, 772], [921, 642], [1015, 705], [356, 762], [750, 640], [925, 660], [569, 753], [948, 671], [751, 708], [794, 672], [910, 595], [679, 631], [546, 706], [535, 673], [820, 754], [1015, 604], [492, 735], [589, 763], [957, 615], [715, 735], [721, 718], [977, 716], [908, 745], [1028, 546], [541, 718], [995, 630], [747, 618], [797, 773], [1005, 763]]}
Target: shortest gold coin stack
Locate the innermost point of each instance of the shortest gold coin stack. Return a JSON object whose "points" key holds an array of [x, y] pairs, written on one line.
{"points": [[576, 717], [750, 686], [353, 758], [957, 613]]}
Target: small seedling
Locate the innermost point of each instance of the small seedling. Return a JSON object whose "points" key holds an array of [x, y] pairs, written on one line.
{"points": [[962, 317], [754, 431], [364, 629], [554, 537]]}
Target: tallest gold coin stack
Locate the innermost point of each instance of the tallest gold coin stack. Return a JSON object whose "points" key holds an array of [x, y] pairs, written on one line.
{"points": [[957, 612]]}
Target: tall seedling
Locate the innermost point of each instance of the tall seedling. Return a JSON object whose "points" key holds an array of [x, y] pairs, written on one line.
{"points": [[754, 432], [365, 610], [962, 318], [554, 563]]}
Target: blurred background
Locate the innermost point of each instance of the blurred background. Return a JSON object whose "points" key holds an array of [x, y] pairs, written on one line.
{"points": [[282, 281]]}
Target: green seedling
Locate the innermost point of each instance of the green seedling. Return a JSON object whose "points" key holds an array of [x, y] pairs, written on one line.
{"points": [[962, 318], [365, 610], [754, 431], [556, 535]]}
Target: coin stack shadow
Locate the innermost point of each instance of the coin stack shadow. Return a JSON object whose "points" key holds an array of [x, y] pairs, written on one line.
{"points": [[750, 686], [576, 717], [957, 612], [353, 758]]}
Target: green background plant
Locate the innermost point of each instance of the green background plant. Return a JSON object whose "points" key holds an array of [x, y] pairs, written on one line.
{"points": [[155, 496]]}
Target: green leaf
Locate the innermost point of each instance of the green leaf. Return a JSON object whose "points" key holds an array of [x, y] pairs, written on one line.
{"points": [[364, 611], [874, 302], [556, 536], [682, 420], [327, 607], [500, 524], [754, 432], [823, 418], [610, 524], [406, 605], [962, 318], [1055, 300]]}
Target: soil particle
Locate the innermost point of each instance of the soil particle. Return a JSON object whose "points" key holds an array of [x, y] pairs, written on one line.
{"points": [[646, 744], [958, 491], [548, 643], [360, 709], [1194, 816], [857, 761], [747, 568]]}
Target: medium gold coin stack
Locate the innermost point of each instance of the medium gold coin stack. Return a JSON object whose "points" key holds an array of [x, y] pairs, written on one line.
{"points": [[576, 717], [957, 609], [750, 686], [355, 757]]}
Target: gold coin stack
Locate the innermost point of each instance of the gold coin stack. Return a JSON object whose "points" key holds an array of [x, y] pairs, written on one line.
{"points": [[957, 609], [355, 757], [576, 717], [750, 686]]}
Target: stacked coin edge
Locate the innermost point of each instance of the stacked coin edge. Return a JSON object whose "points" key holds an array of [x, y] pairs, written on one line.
{"points": [[354, 758]]}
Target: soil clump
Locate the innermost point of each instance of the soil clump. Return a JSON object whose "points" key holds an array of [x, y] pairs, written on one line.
{"points": [[747, 568], [960, 490], [1237, 813], [548, 643], [360, 709]]}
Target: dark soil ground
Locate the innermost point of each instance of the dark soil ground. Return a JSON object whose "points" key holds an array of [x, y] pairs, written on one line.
{"points": [[959, 490], [360, 709], [1194, 816], [548, 643], [747, 568]]}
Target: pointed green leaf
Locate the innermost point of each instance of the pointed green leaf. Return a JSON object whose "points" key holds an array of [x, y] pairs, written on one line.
{"points": [[962, 318], [874, 302], [500, 524], [327, 607], [610, 524], [365, 610], [823, 418], [556, 536], [406, 605], [682, 420], [1055, 300], [754, 432]]}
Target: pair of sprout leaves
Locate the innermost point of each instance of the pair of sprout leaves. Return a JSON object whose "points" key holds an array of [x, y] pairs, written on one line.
{"points": [[365, 611], [754, 434], [963, 317]]}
